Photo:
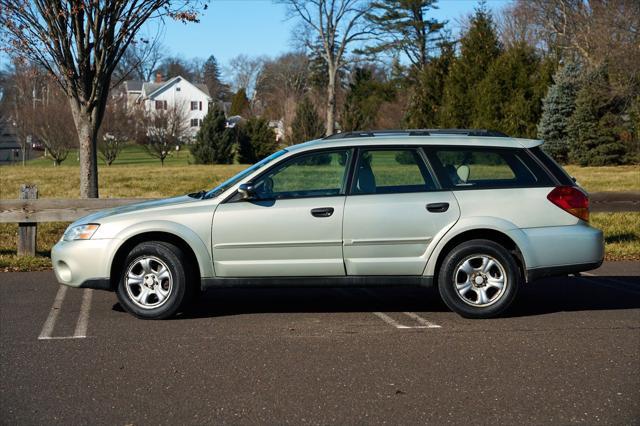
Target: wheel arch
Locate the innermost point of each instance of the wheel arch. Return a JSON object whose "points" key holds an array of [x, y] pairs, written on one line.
{"points": [[505, 234], [192, 246]]}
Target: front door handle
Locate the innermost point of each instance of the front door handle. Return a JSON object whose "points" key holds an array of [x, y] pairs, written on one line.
{"points": [[438, 207], [322, 211]]}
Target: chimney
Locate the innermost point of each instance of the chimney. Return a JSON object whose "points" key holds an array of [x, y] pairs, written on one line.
{"points": [[158, 77]]}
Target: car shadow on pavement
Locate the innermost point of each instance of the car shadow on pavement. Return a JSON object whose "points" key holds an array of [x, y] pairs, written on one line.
{"points": [[229, 301], [541, 297], [570, 294]]}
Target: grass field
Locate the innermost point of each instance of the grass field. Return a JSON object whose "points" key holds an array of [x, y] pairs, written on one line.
{"points": [[136, 174]]}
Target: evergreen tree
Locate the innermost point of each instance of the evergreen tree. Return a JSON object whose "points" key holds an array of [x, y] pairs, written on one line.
{"points": [[211, 78], [307, 125], [599, 123], [425, 103], [214, 141], [363, 100], [256, 140], [508, 99], [557, 108], [402, 27], [240, 104], [479, 47]]}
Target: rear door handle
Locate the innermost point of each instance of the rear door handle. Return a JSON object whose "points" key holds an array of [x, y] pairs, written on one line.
{"points": [[438, 207], [322, 211]]}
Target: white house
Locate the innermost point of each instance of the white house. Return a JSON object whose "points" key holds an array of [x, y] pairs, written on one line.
{"points": [[177, 92]]}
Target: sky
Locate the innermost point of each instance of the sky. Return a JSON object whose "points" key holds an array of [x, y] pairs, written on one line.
{"points": [[260, 27], [229, 28]]}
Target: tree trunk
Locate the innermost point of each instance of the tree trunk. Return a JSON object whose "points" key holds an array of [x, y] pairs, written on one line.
{"points": [[331, 101], [87, 128]]}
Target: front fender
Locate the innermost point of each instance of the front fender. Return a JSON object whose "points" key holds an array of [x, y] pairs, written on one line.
{"points": [[194, 241], [475, 224]]}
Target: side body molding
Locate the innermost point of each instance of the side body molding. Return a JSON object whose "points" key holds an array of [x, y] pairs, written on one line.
{"points": [[199, 247]]}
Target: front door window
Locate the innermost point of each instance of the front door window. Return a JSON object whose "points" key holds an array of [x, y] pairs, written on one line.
{"points": [[319, 174]]}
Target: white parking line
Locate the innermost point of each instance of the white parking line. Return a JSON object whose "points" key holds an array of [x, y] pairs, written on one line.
{"points": [[386, 318], [47, 328], [419, 319], [83, 318]]}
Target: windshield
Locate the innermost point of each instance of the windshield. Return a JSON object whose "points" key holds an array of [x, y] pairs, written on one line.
{"points": [[229, 183]]}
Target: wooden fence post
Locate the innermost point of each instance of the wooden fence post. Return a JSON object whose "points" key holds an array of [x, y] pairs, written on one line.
{"points": [[27, 232]]}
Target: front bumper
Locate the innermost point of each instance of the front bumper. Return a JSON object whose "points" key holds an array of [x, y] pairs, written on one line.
{"points": [[83, 263]]}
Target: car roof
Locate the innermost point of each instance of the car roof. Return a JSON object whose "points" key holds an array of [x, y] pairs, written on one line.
{"points": [[404, 139]]}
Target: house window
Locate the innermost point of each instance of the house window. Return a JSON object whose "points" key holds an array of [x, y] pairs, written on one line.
{"points": [[194, 122], [160, 105], [200, 105], [194, 105], [177, 89]]}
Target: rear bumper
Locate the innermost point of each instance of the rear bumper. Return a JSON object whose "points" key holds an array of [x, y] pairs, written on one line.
{"points": [[536, 274], [562, 250]]}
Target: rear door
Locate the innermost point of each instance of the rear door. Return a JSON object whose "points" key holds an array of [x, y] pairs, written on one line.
{"points": [[394, 211]]}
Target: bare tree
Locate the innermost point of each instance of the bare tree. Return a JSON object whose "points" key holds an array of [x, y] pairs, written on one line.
{"points": [[161, 131], [595, 30], [24, 89], [282, 83], [118, 128], [518, 23], [80, 42], [336, 24], [140, 61], [54, 128], [244, 73]]}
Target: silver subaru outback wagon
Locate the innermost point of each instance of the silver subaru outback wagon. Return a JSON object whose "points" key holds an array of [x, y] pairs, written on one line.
{"points": [[475, 213]]}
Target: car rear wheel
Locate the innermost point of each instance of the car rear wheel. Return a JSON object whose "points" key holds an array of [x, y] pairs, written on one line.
{"points": [[153, 282], [479, 279]]}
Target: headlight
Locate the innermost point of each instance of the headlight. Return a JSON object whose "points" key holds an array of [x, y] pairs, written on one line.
{"points": [[80, 232]]}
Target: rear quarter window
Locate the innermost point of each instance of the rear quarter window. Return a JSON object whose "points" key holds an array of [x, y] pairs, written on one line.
{"points": [[554, 168], [486, 168]]}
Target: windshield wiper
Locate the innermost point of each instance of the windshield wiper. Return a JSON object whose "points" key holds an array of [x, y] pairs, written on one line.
{"points": [[198, 194]]}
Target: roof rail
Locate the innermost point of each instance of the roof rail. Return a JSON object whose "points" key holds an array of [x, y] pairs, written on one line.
{"points": [[419, 132]]}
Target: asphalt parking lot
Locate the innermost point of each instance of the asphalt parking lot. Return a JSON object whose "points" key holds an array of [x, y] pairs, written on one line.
{"points": [[568, 352]]}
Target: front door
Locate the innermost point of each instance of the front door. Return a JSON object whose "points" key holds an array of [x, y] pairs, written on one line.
{"points": [[292, 226], [393, 213]]}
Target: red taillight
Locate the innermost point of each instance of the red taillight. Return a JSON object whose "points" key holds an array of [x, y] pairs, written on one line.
{"points": [[572, 200]]}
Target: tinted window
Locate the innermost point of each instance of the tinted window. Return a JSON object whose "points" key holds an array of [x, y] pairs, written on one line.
{"points": [[391, 171], [557, 171], [487, 168], [313, 175]]}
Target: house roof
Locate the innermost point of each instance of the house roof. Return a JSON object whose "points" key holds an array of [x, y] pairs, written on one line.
{"points": [[147, 89], [133, 85], [150, 89]]}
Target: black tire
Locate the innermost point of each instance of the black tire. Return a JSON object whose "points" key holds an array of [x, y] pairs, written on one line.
{"points": [[470, 256], [160, 254]]}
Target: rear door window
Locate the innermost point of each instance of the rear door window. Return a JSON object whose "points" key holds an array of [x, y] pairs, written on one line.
{"points": [[470, 167], [391, 171]]}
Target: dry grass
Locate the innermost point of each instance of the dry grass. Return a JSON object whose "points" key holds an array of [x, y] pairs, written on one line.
{"points": [[144, 181], [618, 178]]}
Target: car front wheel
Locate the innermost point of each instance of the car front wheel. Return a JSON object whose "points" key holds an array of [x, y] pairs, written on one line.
{"points": [[479, 279], [153, 282]]}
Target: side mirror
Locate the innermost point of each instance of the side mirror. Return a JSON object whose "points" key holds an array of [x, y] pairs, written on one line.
{"points": [[247, 191]]}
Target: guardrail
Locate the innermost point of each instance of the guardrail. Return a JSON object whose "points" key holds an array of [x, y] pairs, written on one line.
{"points": [[28, 211]]}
